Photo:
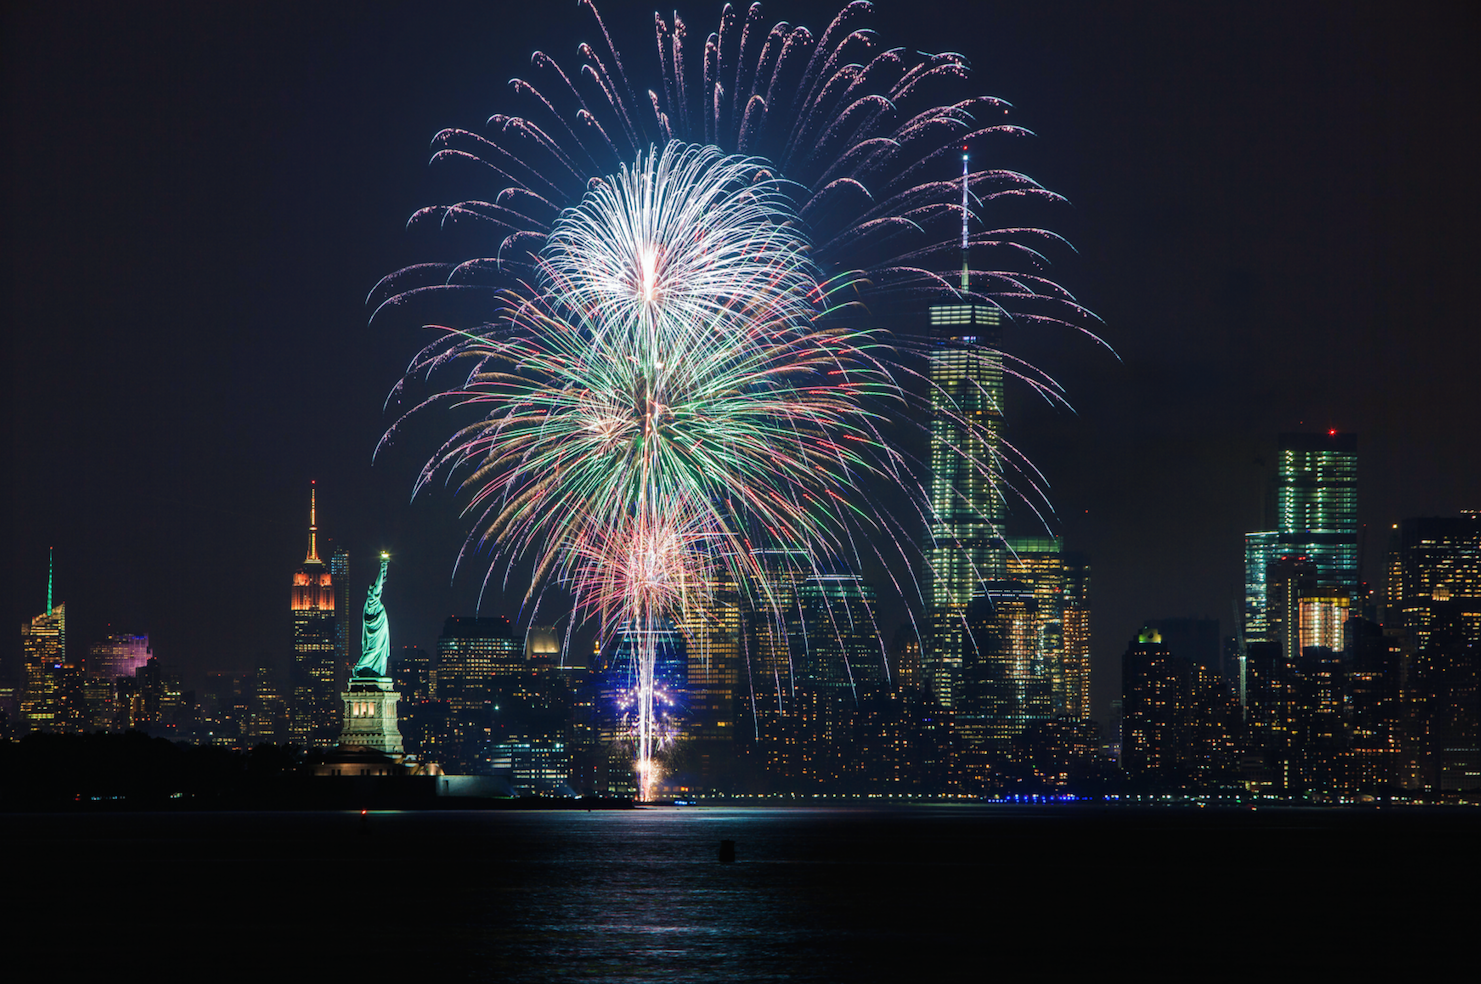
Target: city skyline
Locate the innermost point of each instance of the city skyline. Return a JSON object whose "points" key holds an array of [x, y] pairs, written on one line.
{"points": [[159, 405]]}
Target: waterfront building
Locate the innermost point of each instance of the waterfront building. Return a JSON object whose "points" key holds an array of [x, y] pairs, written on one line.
{"points": [[619, 681]]}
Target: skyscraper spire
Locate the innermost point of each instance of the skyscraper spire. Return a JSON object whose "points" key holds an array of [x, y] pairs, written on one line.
{"points": [[964, 217], [313, 557], [50, 558]]}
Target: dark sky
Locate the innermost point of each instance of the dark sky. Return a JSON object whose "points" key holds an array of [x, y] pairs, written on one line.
{"points": [[1274, 206]]}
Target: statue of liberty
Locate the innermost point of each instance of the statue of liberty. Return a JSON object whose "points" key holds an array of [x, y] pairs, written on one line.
{"points": [[375, 638]]}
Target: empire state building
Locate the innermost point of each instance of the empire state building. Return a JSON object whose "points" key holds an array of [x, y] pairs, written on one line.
{"points": [[315, 712]]}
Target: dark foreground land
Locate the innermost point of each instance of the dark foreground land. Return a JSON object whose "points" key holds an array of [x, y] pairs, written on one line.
{"points": [[915, 893]]}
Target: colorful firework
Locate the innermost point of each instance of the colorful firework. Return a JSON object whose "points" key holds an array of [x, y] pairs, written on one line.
{"points": [[663, 389], [660, 384]]}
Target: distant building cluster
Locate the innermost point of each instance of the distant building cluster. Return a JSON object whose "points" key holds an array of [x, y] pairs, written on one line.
{"points": [[1331, 690]]}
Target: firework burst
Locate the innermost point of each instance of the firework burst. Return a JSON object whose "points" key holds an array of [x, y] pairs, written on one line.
{"points": [[663, 389], [661, 383]]}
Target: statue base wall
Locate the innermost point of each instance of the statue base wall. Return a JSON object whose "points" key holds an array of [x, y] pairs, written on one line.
{"points": [[370, 716]]}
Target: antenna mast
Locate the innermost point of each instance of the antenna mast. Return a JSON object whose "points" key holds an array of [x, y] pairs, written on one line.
{"points": [[964, 217], [313, 557]]}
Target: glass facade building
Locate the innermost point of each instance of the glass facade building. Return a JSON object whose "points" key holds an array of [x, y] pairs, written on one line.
{"points": [[964, 543], [1316, 511]]}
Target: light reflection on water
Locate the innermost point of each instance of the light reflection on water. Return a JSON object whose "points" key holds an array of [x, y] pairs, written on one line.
{"points": [[814, 895]]}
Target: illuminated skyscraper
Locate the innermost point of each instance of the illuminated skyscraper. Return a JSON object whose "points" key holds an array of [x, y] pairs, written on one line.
{"points": [[618, 682], [713, 635], [964, 546], [41, 646], [1028, 652], [1180, 718], [47, 682], [116, 656], [1316, 505], [1037, 563], [315, 705], [1007, 682], [964, 540], [1075, 615]]}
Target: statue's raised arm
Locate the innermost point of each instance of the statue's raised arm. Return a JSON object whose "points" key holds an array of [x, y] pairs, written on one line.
{"points": [[375, 637]]}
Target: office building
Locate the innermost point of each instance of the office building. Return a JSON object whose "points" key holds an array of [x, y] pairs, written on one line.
{"points": [[1316, 511], [471, 653], [118, 656], [1039, 565], [714, 639], [832, 636], [315, 705], [1435, 601], [620, 678], [964, 547], [770, 618], [1006, 684], [1436, 561], [51, 684], [1075, 616]]}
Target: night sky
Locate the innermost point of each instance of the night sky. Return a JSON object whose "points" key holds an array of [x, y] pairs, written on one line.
{"points": [[1274, 207]]}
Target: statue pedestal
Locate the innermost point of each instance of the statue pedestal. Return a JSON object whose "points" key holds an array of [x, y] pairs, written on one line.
{"points": [[370, 716]]}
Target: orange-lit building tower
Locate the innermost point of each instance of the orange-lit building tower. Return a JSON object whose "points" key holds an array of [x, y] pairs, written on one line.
{"points": [[314, 718]]}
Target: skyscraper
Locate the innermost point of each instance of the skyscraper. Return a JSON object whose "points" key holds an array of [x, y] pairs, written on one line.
{"points": [[1180, 718], [964, 544], [713, 634], [51, 695], [315, 705], [1076, 618], [1006, 684], [1037, 563], [1316, 506]]}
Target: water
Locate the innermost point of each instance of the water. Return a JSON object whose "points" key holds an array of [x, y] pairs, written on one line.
{"points": [[815, 894]]}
